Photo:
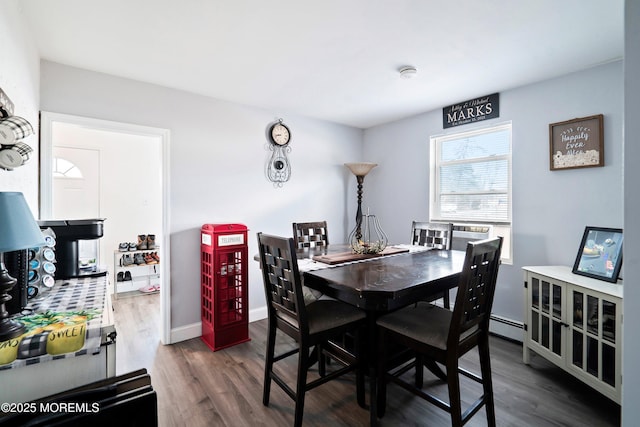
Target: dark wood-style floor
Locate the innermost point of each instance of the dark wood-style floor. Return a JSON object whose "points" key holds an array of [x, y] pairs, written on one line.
{"points": [[199, 387]]}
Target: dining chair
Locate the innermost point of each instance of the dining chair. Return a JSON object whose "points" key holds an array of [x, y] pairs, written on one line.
{"points": [[434, 235], [444, 335], [310, 234], [310, 325]]}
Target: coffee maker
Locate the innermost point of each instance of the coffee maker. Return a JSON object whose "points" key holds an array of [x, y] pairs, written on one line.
{"points": [[69, 233]]}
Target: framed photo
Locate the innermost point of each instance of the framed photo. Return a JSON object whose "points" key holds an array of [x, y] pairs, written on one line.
{"points": [[600, 254], [576, 143]]}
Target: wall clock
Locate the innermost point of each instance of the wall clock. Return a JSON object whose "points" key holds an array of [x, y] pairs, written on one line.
{"points": [[278, 165]]}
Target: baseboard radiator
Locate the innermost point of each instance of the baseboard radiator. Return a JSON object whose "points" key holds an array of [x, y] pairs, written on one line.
{"points": [[506, 328]]}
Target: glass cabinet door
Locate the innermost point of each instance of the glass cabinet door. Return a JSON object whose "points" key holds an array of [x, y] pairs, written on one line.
{"points": [[546, 314], [593, 335]]}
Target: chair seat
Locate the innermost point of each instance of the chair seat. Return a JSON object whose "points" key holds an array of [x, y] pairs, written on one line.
{"points": [[410, 322], [328, 314], [324, 315]]}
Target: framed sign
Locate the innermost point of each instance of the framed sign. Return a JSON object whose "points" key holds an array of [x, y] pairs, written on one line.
{"points": [[471, 111], [576, 143], [600, 254]]}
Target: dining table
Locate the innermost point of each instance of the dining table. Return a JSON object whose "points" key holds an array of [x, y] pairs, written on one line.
{"points": [[379, 284]]}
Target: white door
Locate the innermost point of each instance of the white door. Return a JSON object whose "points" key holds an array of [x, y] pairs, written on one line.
{"points": [[76, 183], [76, 192]]}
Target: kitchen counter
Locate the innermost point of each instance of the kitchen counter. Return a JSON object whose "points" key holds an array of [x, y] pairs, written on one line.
{"points": [[70, 341]]}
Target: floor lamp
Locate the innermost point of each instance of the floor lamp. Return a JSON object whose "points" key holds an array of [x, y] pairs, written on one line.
{"points": [[367, 237], [360, 170], [18, 230]]}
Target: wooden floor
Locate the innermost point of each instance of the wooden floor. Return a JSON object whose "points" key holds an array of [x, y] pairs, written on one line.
{"points": [[199, 387]]}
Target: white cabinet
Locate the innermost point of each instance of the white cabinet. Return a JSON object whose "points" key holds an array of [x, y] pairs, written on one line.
{"points": [[135, 279], [576, 323]]}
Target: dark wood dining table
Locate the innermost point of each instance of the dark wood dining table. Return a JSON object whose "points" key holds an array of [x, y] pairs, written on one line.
{"points": [[382, 284]]}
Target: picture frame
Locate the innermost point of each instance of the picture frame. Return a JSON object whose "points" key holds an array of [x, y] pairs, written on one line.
{"points": [[576, 143], [600, 254]]}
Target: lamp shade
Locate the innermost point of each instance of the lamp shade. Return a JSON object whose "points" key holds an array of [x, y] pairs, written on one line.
{"points": [[18, 228], [360, 169]]}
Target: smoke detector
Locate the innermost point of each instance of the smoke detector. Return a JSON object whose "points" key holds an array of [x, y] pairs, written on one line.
{"points": [[408, 71]]}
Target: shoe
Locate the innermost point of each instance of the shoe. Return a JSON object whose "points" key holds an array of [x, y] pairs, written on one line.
{"points": [[149, 259], [151, 241], [127, 260], [133, 247], [123, 247], [148, 289], [120, 277], [142, 242], [138, 259], [155, 256], [127, 276]]}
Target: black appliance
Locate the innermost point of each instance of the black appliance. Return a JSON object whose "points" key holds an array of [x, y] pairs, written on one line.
{"points": [[68, 233], [17, 263]]}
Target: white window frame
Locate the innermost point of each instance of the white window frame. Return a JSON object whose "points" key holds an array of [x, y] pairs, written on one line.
{"points": [[498, 227]]}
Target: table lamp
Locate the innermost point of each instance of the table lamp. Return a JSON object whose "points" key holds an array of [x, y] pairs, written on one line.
{"points": [[18, 230]]}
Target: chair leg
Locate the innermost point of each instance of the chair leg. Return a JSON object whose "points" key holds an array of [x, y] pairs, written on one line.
{"points": [[487, 383], [303, 362], [453, 383], [268, 363], [446, 300]]}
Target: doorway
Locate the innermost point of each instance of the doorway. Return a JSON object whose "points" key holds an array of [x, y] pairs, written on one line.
{"points": [[131, 181]]}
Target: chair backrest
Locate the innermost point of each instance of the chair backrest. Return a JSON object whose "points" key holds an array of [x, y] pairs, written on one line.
{"points": [[310, 234], [432, 234], [282, 283], [475, 293]]}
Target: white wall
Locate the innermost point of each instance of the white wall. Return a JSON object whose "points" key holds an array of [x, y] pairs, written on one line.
{"points": [[217, 162], [631, 349], [550, 208], [20, 80]]}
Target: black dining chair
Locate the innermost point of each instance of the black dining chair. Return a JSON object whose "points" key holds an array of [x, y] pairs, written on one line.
{"points": [[444, 336], [310, 234], [434, 235], [314, 324]]}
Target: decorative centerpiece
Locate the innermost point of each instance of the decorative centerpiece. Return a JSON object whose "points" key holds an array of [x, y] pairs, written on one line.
{"points": [[367, 237]]}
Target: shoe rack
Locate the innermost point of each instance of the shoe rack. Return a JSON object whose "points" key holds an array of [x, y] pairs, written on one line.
{"points": [[136, 272]]}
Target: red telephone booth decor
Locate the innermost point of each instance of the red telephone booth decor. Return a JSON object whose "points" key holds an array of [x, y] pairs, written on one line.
{"points": [[224, 285]]}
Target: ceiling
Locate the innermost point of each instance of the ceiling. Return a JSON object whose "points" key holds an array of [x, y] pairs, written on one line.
{"points": [[334, 60]]}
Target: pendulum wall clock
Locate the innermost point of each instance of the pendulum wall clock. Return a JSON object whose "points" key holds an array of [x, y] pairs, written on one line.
{"points": [[278, 165]]}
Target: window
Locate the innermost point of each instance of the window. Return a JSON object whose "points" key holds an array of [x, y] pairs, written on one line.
{"points": [[63, 168], [471, 180]]}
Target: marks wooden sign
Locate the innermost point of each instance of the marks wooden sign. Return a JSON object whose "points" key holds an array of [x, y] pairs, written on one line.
{"points": [[471, 111]]}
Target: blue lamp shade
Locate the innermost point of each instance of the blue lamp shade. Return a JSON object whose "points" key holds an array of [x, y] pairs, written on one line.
{"points": [[18, 228]]}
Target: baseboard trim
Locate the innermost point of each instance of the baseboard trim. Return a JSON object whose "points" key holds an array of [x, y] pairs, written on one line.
{"points": [[194, 330], [186, 332], [258, 314], [506, 327]]}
